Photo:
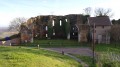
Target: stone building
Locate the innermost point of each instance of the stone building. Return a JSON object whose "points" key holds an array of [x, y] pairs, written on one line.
{"points": [[26, 34], [102, 28], [40, 26], [72, 26]]}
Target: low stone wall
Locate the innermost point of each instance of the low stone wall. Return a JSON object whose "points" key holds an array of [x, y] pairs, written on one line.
{"points": [[15, 41], [25, 37], [0, 42]]}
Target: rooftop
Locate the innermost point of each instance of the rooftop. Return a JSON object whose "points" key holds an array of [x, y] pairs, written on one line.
{"points": [[99, 21]]}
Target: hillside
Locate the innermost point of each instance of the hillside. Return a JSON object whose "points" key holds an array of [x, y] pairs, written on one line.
{"points": [[7, 34], [3, 29], [4, 32], [29, 57]]}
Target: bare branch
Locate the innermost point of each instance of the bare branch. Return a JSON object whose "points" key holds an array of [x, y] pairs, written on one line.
{"points": [[103, 12], [87, 10], [15, 23]]}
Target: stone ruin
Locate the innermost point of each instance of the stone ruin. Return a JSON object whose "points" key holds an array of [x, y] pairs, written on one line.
{"points": [[51, 26]]}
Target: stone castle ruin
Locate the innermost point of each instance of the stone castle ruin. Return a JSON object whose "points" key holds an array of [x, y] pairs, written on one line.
{"points": [[71, 26]]}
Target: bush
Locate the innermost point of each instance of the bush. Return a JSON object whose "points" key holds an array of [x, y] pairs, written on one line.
{"points": [[15, 36], [108, 65]]}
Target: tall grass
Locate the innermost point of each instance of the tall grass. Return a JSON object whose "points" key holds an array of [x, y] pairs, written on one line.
{"points": [[108, 55]]}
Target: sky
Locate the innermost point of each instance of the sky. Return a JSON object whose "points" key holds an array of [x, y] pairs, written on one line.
{"points": [[10, 9]]}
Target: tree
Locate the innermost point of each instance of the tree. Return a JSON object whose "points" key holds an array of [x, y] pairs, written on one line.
{"points": [[116, 21], [15, 23], [103, 12], [113, 21], [115, 33], [87, 11]]}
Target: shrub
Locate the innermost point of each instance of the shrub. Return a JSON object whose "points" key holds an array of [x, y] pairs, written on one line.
{"points": [[108, 64]]}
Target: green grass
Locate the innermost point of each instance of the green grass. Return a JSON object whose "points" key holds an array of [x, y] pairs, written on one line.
{"points": [[29, 57], [108, 54], [85, 59], [107, 47], [56, 43]]}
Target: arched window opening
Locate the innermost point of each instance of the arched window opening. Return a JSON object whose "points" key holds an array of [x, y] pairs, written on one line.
{"points": [[46, 28], [73, 33], [53, 23], [60, 23], [46, 35], [66, 20], [73, 28], [53, 33]]}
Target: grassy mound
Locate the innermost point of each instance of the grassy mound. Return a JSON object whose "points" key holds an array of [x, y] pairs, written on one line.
{"points": [[28, 57]]}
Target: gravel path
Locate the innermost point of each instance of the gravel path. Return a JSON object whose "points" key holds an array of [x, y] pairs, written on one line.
{"points": [[80, 50]]}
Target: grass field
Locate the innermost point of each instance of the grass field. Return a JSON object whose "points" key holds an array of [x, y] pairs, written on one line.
{"points": [[56, 43], [85, 59], [29, 57], [108, 54]]}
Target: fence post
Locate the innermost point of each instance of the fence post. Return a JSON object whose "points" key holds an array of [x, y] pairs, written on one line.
{"points": [[38, 46], [62, 52], [10, 44]]}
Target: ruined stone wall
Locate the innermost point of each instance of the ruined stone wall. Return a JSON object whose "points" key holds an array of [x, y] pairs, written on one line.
{"points": [[75, 20], [37, 25], [83, 32], [40, 23], [15, 41], [26, 34]]}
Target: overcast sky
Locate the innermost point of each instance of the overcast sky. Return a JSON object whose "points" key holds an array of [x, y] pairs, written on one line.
{"points": [[10, 9]]}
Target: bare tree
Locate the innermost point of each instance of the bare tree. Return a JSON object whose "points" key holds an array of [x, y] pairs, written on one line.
{"points": [[103, 12], [87, 10], [15, 23]]}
